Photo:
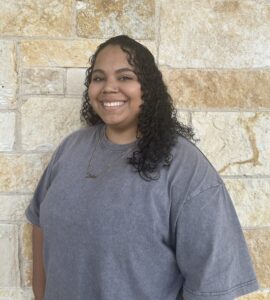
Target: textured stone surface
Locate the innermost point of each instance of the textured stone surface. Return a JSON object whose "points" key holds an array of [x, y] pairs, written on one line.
{"points": [[43, 81], [251, 200], [75, 81], [109, 18], [57, 53], [21, 172], [259, 245], [16, 294], [184, 117], [261, 295], [215, 33], [13, 207], [36, 18], [26, 242], [7, 131], [219, 88], [8, 74], [46, 121], [27, 275], [9, 262], [27, 294], [236, 143]]}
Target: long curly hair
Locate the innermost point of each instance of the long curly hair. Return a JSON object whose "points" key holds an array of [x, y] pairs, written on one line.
{"points": [[157, 122]]}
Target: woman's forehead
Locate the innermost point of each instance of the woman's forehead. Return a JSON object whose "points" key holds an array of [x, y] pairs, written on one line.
{"points": [[112, 56]]}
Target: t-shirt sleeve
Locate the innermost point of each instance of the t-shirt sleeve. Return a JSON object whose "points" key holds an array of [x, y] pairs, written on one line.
{"points": [[32, 211], [211, 251]]}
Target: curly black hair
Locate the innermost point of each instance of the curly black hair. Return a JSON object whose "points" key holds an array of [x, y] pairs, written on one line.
{"points": [[157, 123]]}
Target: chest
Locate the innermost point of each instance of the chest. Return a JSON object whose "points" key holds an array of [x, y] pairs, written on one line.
{"points": [[116, 206]]}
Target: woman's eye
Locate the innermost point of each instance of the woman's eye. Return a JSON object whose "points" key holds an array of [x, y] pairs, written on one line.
{"points": [[97, 79], [124, 78]]}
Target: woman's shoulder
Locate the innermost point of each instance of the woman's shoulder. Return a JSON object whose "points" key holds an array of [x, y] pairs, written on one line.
{"points": [[190, 166]]}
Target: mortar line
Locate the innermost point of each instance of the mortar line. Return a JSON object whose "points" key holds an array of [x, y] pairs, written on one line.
{"points": [[157, 28]]}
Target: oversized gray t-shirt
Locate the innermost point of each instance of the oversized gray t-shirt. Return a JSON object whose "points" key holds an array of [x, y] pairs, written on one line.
{"points": [[119, 237]]}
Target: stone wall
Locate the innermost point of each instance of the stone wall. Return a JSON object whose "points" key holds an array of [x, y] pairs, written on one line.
{"points": [[215, 57]]}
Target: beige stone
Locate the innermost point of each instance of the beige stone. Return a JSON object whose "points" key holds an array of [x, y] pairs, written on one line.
{"points": [[251, 200], [11, 293], [260, 295], [57, 53], [46, 121], [151, 46], [26, 242], [43, 81], [13, 207], [75, 81], [27, 275], [259, 245], [8, 74], [110, 18], [21, 172], [27, 294], [215, 33], [7, 131], [36, 18], [236, 143], [219, 88], [184, 117], [9, 261]]}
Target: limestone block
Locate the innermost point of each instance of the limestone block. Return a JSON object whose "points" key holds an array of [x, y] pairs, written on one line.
{"points": [[219, 88], [43, 81], [26, 242], [7, 131], [259, 245], [57, 53], [13, 207], [215, 33], [46, 121], [151, 46], [260, 295], [236, 143], [11, 293], [36, 18], [27, 294], [110, 18], [27, 275], [8, 74], [75, 81], [251, 200], [9, 262], [183, 117], [21, 172]]}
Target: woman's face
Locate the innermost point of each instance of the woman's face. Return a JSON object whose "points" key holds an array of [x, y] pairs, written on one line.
{"points": [[114, 91]]}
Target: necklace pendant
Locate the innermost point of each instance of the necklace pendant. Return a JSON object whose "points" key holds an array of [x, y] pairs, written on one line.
{"points": [[91, 176]]}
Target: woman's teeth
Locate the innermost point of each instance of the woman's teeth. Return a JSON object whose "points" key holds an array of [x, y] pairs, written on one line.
{"points": [[113, 104]]}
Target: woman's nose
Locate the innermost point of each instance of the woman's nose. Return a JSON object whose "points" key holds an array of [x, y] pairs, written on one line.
{"points": [[110, 86]]}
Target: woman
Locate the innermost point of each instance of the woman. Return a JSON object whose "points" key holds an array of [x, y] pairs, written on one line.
{"points": [[129, 208]]}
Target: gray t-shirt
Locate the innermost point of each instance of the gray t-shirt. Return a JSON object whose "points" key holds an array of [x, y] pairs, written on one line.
{"points": [[119, 237]]}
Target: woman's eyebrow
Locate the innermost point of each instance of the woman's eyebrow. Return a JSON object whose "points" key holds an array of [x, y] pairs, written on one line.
{"points": [[124, 70], [117, 71]]}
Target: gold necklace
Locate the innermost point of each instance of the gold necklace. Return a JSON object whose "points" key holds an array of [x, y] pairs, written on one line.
{"points": [[109, 166]]}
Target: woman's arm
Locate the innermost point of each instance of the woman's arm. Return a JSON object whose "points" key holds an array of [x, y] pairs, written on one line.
{"points": [[38, 281]]}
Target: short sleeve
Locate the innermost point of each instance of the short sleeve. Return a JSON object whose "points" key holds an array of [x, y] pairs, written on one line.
{"points": [[211, 251], [32, 211]]}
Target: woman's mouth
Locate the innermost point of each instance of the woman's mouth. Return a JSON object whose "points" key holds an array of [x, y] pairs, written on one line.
{"points": [[113, 104]]}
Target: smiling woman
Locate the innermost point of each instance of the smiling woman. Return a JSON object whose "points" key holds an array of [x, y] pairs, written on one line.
{"points": [[129, 208], [115, 94]]}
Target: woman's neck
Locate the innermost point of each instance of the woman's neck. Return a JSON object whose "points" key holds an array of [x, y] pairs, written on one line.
{"points": [[118, 136]]}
